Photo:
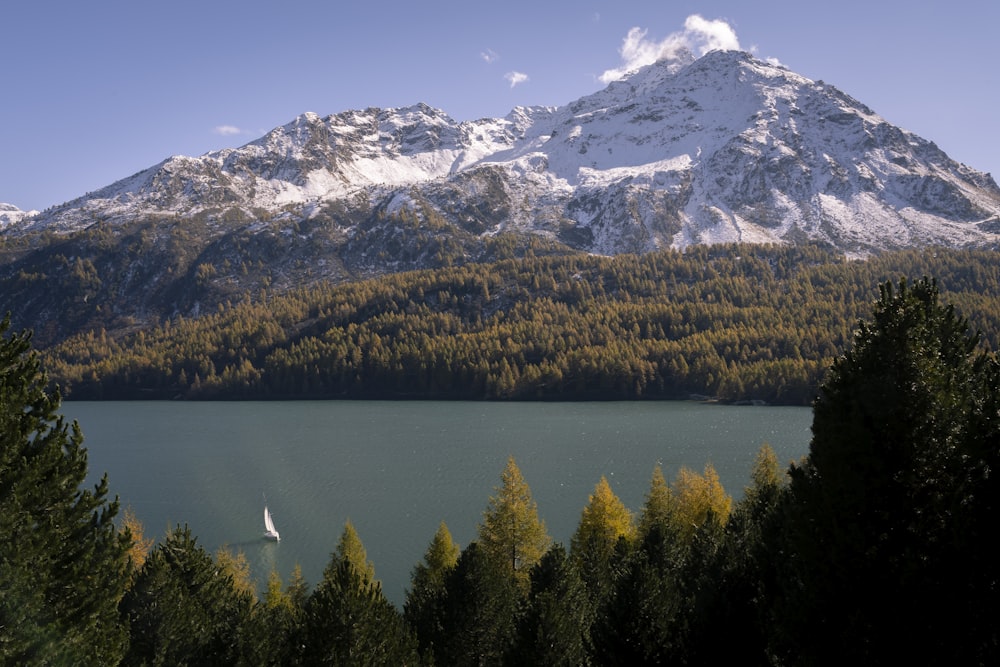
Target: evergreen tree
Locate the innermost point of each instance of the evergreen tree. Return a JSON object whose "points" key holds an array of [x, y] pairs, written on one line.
{"points": [[511, 534], [637, 624], [480, 610], [424, 603], [63, 565], [183, 608], [237, 568], [731, 586], [884, 524], [274, 627], [348, 620], [645, 618], [555, 626], [352, 551]]}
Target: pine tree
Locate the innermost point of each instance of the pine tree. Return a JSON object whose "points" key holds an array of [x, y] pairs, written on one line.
{"points": [[637, 623], [352, 551], [64, 564], [183, 608], [424, 604], [275, 632], [555, 626], [237, 568], [511, 535], [348, 620], [479, 611], [731, 587], [886, 520]]}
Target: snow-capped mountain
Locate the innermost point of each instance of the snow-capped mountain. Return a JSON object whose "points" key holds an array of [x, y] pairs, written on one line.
{"points": [[10, 214], [719, 149]]}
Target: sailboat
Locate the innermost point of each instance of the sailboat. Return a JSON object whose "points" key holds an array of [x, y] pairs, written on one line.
{"points": [[270, 532]]}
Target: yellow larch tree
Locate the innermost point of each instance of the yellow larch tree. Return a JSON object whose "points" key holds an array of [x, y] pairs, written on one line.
{"points": [[511, 534], [604, 521], [698, 498]]}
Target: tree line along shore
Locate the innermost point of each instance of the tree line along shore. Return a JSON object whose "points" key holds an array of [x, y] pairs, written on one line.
{"points": [[732, 323]]}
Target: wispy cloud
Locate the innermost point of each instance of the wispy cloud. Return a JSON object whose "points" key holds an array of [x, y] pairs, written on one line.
{"points": [[490, 56], [515, 78], [698, 37], [227, 130]]}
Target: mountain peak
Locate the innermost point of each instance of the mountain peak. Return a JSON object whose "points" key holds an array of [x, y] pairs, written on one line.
{"points": [[721, 148]]}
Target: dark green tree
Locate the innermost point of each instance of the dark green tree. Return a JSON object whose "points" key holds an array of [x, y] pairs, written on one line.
{"points": [[183, 607], [63, 564], [636, 624], [424, 603], [480, 610], [886, 524], [348, 620], [554, 628], [274, 629], [731, 586]]}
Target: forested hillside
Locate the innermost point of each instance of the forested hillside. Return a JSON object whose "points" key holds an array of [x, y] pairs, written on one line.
{"points": [[736, 322], [873, 550]]}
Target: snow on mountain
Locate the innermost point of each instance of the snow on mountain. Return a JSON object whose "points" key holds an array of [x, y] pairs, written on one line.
{"points": [[722, 148], [10, 214]]}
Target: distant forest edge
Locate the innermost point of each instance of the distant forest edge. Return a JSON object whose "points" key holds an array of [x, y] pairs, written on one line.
{"points": [[733, 322]]}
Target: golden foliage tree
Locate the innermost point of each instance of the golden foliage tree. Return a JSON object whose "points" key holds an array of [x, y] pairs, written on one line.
{"points": [[511, 534], [699, 498], [604, 521], [352, 551], [658, 510], [141, 544], [236, 566]]}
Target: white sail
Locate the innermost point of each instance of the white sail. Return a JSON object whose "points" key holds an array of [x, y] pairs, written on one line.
{"points": [[270, 531]]}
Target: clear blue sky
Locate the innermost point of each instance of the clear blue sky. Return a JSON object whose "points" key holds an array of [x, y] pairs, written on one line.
{"points": [[91, 92]]}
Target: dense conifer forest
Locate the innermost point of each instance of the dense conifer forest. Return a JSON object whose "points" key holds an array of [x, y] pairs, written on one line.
{"points": [[734, 323], [874, 549]]}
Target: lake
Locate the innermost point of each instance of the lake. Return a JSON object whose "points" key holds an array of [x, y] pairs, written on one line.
{"points": [[397, 469]]}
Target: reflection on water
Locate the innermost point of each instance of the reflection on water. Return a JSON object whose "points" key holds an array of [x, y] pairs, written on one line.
{"points": [[397, 469]]}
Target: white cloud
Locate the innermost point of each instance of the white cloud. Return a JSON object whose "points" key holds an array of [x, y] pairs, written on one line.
{"points": [[698, 37], [490, 56], [227, 130], [708, 35], [515, 78]]}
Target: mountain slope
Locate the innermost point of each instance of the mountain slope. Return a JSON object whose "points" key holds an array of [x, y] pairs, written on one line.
{"points": [[725, 148]]}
